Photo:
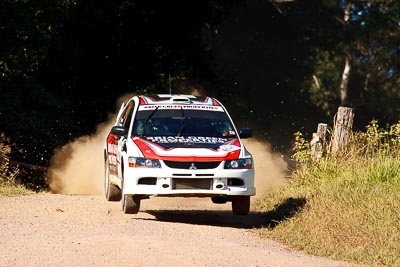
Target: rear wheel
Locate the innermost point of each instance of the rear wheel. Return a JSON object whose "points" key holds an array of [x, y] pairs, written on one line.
{"points": [[130, 204], [112, 192], [241, 205]]}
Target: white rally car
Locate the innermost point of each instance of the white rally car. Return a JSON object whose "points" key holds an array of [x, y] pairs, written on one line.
{"points": [[177, 146]]}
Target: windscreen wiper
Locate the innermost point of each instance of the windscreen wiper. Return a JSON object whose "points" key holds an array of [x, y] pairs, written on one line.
{"points": [[147, 120]]}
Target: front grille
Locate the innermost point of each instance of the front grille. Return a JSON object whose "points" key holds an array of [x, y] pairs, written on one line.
{"points": [[192, 165], [192, 184]]}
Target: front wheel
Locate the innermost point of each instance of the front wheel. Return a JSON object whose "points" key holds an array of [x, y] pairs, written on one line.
{"points": [[130, 204], [241, 205]]}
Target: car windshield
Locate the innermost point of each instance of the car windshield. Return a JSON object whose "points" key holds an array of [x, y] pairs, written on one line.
{"points": [[183, 122]]}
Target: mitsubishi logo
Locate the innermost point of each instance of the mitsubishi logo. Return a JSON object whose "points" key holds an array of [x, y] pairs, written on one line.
{"points": [[192, 167]]}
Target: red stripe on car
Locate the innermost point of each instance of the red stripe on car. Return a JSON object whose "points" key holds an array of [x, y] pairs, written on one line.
{"points": [[148, 152]]}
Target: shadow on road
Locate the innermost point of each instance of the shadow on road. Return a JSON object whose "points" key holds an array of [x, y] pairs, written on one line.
{"points": [[224, 218], [207, 217]]}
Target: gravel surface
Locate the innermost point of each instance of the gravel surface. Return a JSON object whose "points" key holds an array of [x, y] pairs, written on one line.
{"points": [[82, 230]]}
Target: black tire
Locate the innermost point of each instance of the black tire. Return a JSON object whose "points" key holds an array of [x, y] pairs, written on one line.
{"points": [[112, 192], [241, 205], [219, 200], [131, 204]]}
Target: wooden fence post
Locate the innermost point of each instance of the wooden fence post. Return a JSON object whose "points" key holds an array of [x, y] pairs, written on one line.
{"points": [[342, 128], [318, 143]]}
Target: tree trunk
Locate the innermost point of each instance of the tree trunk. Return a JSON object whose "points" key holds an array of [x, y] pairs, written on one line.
{"points": [[347, 67], [345, 81]]}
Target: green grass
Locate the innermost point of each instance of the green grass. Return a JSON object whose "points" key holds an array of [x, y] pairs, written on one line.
{"points": [[345, 207], [12, 189], [9, 185]]}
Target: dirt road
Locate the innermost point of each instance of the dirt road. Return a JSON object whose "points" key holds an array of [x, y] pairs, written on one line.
{"points": [[79, 230]]}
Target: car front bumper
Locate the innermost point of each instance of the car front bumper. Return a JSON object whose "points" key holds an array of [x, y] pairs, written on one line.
{"points": [[191, 183]]}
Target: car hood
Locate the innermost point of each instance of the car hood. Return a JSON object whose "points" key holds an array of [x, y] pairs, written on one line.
{"points": [[189, 148]]}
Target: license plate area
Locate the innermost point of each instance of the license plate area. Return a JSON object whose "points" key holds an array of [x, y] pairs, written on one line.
{"points": [[187, 183]]}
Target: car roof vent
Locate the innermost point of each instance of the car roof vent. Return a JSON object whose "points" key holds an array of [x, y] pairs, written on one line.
{"points": [[180, 100]]}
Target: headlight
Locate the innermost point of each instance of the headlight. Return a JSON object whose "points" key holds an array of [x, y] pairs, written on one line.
{"points": [[135, 162], [239, 164]]}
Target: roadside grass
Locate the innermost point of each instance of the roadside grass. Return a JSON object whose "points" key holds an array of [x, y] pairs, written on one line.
{"points": [[12, 189], [9, 185], [344, 207]]}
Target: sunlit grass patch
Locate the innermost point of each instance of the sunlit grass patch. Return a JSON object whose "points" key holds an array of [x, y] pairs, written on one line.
{"points": [[8, 182], [12, 189], [351, 205]]}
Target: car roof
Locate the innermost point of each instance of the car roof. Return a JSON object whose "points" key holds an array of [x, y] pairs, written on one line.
{"points": [[177, 99]]}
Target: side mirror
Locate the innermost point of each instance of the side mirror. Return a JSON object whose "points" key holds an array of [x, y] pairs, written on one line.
{"points": [[118, 130], [245, 133]]}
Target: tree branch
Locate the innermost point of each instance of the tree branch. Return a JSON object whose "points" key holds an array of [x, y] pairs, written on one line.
{"points": [[276, 2]]}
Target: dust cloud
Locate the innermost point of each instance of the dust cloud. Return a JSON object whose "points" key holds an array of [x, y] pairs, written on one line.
{"points": [[78, 167], [270, 168]]}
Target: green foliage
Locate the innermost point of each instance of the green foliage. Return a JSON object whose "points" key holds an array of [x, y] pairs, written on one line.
{"points": [[301, 148], [6, 174], [30, 111], [350, 208], [326, 78], [376, 141], [369, 38]]}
